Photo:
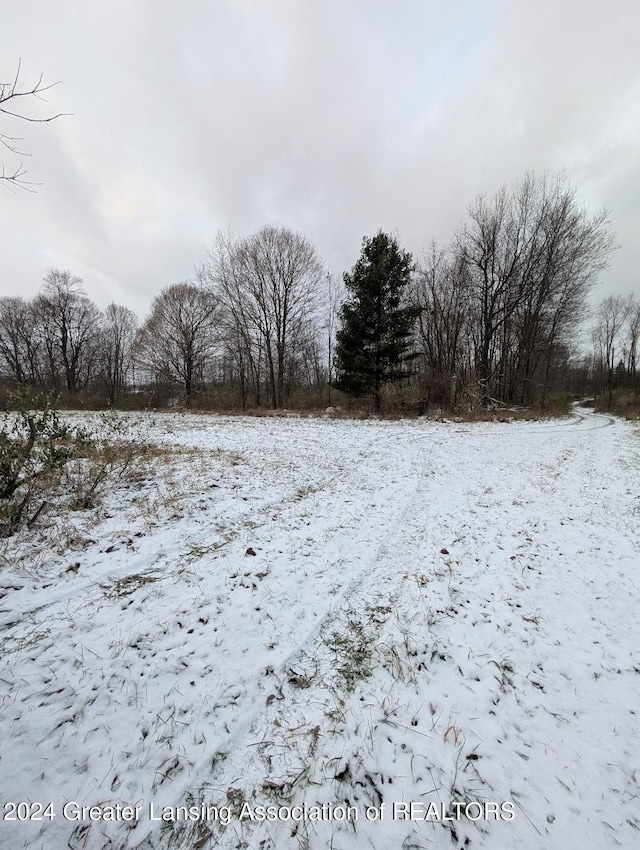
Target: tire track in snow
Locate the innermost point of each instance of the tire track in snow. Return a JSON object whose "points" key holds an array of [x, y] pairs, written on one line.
{"points": [[478, 476], [485, 601], [304, 669], [581, 417], [257, 720]]}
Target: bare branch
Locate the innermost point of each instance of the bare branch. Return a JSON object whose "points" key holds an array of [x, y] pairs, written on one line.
{"points": [[11, 93], [16, 179], [10, 142]]}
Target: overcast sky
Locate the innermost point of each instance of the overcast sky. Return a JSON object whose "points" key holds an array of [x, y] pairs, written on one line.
{"points": [[334, 118]]}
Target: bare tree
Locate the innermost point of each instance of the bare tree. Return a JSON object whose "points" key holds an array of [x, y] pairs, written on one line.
{"points": [[118, 338], [179, 338], [68, 325], [532, 256], [491, 248], [572, 247], [442, 295], [19, 340], [611, 316], [269, 285], [334, 294], [632, 340], [282, 274], [239, 321], [15, 101]]}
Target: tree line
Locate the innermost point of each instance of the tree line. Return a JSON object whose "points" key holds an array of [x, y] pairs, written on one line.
{"points": [[493, 318]]}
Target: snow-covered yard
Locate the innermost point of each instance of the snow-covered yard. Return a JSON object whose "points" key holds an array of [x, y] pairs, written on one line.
{"points": [[344, 616]]}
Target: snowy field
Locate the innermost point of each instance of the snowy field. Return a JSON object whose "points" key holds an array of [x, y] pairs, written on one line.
{"points": [[335, 619]]}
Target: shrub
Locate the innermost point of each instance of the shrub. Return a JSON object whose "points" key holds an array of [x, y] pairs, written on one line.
{"points": [[35, 447]]}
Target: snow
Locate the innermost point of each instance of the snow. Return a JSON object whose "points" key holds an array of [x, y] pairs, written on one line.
{"points": [[435, 613]]}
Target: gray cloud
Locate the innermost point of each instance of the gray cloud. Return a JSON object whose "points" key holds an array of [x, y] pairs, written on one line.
{"points": [[332, 118]]}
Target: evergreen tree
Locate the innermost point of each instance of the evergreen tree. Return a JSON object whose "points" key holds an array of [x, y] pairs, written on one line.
{"points": [[373, 344]]}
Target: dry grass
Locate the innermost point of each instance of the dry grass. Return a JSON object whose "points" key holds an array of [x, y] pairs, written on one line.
{"points": [[624, 402], [129, 584]]}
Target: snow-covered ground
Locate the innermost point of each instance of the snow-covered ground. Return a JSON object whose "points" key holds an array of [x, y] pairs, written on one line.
{"points": [[435, 613]]}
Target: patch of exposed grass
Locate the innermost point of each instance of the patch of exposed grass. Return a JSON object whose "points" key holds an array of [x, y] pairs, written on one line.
{"points": [[354, 643], [129, 584], [10, 644]]}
